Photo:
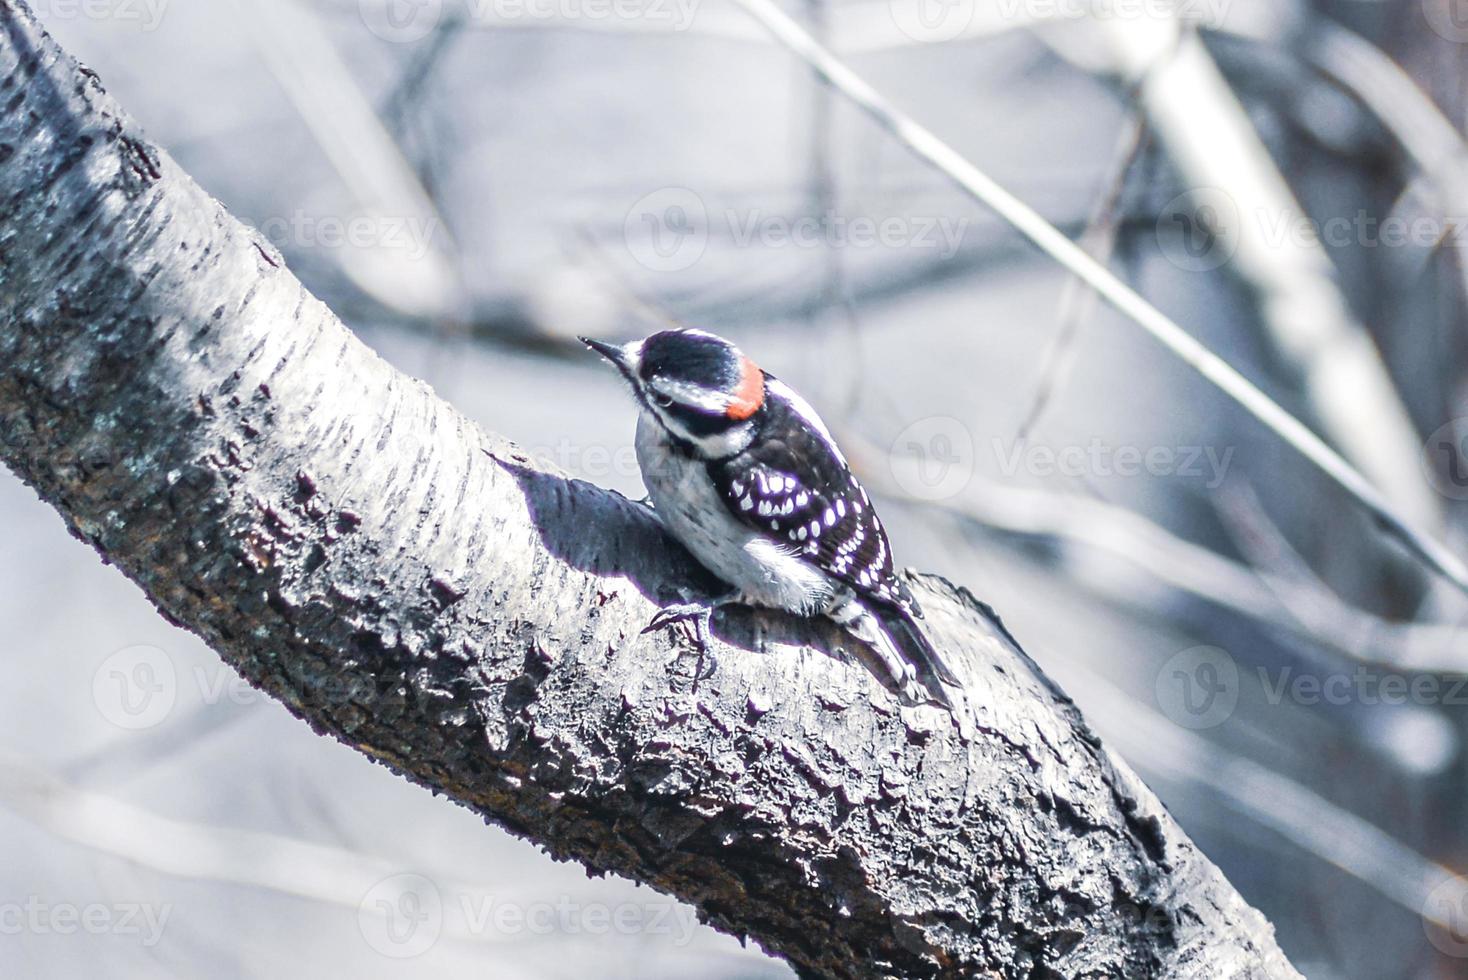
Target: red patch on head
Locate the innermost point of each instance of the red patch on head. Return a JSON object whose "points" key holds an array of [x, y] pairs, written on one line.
{"points": [[750, 394]]}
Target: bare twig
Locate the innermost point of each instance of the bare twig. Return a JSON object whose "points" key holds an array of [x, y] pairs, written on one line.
{"points": [[928, 147], [1328, 354], [1092, 527], [429, 595], [287, 865], [407, 264], [1077, 302], [1404, 110]]}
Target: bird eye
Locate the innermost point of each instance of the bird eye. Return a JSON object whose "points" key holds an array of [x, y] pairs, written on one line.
{"points": [[662, 400]]}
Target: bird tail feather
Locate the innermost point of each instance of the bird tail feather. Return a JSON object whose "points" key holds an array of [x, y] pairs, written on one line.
{"points": [[912, 661], [918, 648]]}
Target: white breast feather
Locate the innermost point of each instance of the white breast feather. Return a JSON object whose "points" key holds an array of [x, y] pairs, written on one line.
{"points": [[767, 572]]}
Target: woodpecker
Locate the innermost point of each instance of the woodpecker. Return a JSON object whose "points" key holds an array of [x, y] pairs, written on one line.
{"points": [[746, 476]]}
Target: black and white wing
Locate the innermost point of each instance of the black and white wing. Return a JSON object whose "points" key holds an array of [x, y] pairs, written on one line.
{"points": [[793, 485]]}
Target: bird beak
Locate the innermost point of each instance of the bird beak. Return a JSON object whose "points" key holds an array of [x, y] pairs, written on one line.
{"points": [[611, 352], [625, 357]]}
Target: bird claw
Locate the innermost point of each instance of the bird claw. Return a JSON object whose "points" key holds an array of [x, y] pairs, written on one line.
{"points": [[698, 615], [667, 616], [695, 613]]}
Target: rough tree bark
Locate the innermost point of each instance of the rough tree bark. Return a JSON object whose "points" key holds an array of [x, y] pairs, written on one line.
{"points": [[422, 591]]}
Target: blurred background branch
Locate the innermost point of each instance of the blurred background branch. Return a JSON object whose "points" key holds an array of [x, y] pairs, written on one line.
{"points": [[565, 168]]}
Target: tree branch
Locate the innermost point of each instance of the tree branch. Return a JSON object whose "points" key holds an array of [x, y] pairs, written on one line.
{"points": [[423, 592]]}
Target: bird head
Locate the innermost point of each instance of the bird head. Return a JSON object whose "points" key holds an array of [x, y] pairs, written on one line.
{"points": [[697, 386]]}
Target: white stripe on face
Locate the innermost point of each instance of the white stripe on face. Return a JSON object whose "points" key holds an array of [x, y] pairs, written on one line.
{"points": [[692, 395], [735, 439]]}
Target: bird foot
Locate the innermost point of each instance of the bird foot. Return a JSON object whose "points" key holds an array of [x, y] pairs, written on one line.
{"points": [[696, 612]]}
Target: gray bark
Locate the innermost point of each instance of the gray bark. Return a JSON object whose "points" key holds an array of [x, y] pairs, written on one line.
{"points": [[420, 590]]}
